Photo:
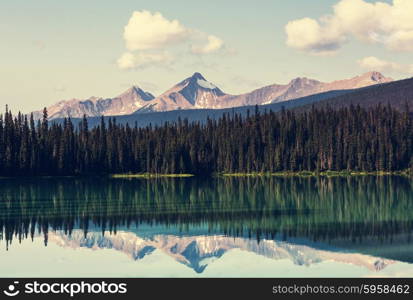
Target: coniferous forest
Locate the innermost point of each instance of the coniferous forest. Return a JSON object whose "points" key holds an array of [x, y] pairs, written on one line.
{"points": [[350, 138]]}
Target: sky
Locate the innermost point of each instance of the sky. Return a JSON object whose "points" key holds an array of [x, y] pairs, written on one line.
{"points": [[55, 50]]}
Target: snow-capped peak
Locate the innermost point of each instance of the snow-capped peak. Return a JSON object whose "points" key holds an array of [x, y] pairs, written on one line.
{"points": [[206, 84]]}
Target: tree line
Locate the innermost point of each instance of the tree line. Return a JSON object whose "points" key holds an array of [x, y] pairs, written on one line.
{"points": [[350, 138]]}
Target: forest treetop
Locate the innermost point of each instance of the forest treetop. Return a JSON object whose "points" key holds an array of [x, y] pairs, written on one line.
{"points": [[350, 138]]}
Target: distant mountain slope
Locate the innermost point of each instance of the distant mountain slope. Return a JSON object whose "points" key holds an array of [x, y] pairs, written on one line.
{"points": [[196, 92], [201, 115], [193, 92], [302, 87], [396, 93], [124, 104]]}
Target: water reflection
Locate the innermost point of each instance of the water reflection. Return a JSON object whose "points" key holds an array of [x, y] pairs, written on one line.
{"points": [[364, 221], [198, 251]]}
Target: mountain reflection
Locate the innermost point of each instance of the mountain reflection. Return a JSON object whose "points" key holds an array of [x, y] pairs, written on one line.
{"points": [[199, 251], [340, 210]]}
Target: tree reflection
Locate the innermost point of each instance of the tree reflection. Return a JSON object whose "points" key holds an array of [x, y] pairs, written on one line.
{"points": [[321, 209]]}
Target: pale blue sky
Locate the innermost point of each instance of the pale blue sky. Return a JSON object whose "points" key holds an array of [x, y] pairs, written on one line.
{"points": [[53, 50]]}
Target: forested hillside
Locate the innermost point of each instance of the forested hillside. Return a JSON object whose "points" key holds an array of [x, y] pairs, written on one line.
{"points": [[396, 93], [354, 138]]}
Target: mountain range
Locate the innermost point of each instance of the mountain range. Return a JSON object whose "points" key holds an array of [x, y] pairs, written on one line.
{"points": [[196, 92], [199, 251]]}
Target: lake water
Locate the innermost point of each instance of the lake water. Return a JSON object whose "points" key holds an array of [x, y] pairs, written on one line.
{"points": [[207, 227]]}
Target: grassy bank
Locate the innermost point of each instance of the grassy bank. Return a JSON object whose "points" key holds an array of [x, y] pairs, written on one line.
{"points": [[150, 175], [315, 174], [252, 174]]}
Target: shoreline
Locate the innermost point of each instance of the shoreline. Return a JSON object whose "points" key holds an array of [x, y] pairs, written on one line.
{"points": [[318, 174], [252, 174], [151, 175]]}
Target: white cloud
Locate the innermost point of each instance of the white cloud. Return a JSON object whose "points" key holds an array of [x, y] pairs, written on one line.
{"points": [[129, 61], [146, 31], [308, 35], [390, 25], [149, 37], [214, 44], [126, 61], [372, 63]]}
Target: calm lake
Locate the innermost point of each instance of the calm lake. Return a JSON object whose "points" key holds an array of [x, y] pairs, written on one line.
{"points": [[207, 227]]}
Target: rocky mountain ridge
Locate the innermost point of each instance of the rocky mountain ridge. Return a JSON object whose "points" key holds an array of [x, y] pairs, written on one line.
{"points": [[196, 92]]}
